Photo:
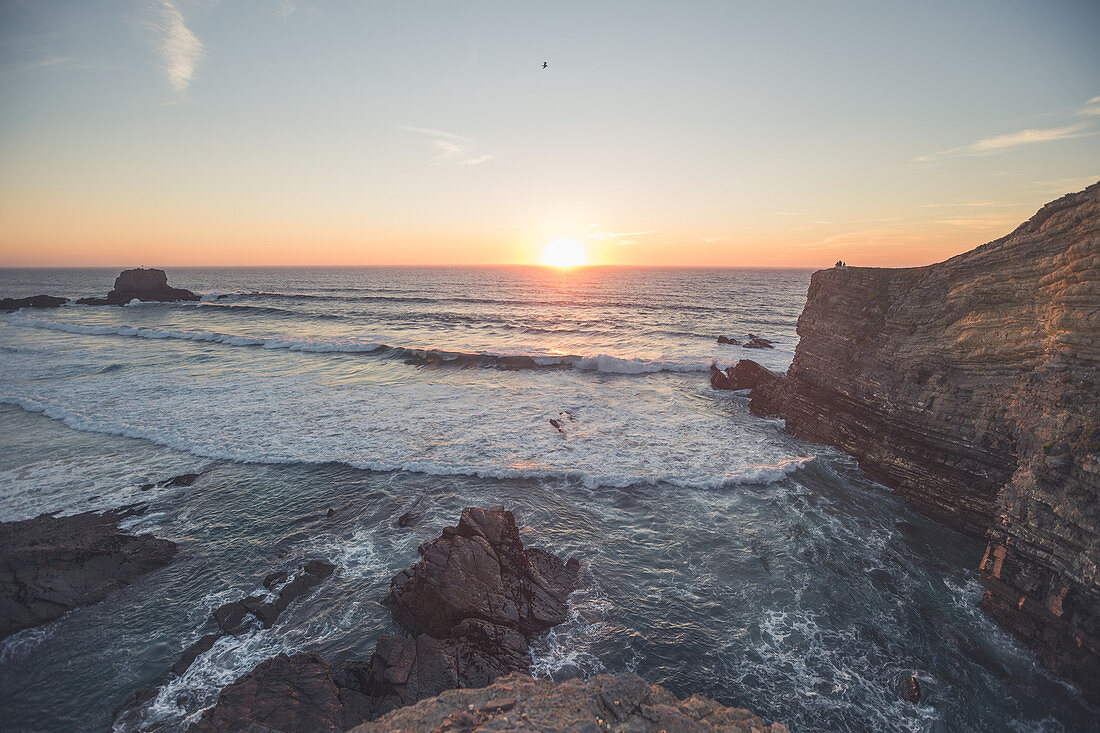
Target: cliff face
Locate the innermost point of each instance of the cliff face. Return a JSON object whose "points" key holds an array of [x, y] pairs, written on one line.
{"points": [[972, 388]]}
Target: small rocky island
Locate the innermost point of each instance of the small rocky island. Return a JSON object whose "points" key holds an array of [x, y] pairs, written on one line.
{"points": [[144, 284], [972, 388]]}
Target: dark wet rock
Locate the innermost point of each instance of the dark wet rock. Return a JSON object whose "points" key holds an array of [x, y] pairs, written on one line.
{"points": [[481, 570], [185, 479], [223, 296], [557, 425], [756, 342], [51, 565], [406, 520], [330, 513], [405, 669], [728, 340], [191, 653], [236, 617], [146, 284], [719, 379], [274, 579], [473, 601], [290, 694], [970, 388], [35, 301], [910, 689], [747, 374], [605, 703]]}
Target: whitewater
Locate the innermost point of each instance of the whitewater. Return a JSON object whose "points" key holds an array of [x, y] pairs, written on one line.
{"points": [[721, 555]]}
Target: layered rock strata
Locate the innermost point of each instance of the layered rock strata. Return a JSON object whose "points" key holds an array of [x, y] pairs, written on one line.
{"points": [[145, 284], [51, 565], [972, 388], [520, 704]]}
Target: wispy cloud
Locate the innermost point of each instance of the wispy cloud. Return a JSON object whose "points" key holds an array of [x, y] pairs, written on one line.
{"points": [[998, 143], [44, 63], [451, 149], [1091, 108], [618, 235], [179, 49], [286, 8]]}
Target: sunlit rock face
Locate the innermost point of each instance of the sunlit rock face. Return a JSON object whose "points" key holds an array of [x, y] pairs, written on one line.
{"points": [[971, 388]]}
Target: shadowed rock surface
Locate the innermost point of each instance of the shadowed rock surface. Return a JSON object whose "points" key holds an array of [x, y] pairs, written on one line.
{"points": [[520, 704], [472, 602], [475, 597], [745, 374], [480, 570], [146, 284], [234, 618], [290, 694], [971, 388], [35, 301], [51, 565]]}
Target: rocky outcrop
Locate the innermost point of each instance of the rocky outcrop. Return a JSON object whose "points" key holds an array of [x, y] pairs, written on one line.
{"points": [[234, 618], [520, 704], [51, 565], [971, 388], [288, 693], [145, 284], [745, 374], [473, 602], [35, 301]]}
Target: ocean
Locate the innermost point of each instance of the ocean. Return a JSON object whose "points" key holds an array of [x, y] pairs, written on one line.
{"points": [[721, 556]]}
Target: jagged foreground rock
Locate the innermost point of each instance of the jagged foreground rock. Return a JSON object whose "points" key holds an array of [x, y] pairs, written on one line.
{"points": [[519, 704], [972, 387], [51, 565], [472, 602]]}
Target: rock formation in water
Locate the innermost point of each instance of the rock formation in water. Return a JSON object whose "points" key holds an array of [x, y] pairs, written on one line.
{"points": [[35, 301], [145, 284], [517, 703], [473, 601], [972, 388], [287, 694], [51, 565]]}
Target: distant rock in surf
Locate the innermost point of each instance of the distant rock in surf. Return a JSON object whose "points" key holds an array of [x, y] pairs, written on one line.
{"points": [[728, 340], [51, 565], [757, 342], [35, 301], [147, 285]]}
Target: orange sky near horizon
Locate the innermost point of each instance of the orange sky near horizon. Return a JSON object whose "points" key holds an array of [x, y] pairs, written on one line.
{"points": [[207, 134]]}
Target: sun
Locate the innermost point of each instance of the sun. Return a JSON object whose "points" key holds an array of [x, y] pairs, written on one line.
{"points": [[564, 253]]}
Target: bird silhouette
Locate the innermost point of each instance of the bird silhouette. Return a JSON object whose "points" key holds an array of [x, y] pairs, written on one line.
{"points": [[544, 64]]}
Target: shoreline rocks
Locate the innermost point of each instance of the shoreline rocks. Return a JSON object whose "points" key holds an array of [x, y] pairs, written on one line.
{"points": [[745, 374], [51, 565], [520, 703], [970, 388], [473, 602], [144, 284]]}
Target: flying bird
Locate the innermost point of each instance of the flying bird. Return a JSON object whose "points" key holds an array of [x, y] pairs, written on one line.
{"points": [[544, 64]]}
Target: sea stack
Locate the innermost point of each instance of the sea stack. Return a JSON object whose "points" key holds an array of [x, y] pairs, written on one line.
{"points": [[144, 284], [972, 388]]}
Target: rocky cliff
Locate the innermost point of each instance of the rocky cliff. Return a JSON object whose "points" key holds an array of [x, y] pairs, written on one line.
{"points": [[972, 388], [145, 284]]}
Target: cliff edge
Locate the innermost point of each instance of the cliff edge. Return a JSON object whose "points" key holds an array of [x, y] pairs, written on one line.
{"points": [[972, 388]]}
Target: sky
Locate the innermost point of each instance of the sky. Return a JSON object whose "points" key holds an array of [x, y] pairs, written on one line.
{"points": [[785, 134]]}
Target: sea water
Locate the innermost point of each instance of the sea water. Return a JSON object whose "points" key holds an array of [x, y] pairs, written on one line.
{"points": [[721, 556]]}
